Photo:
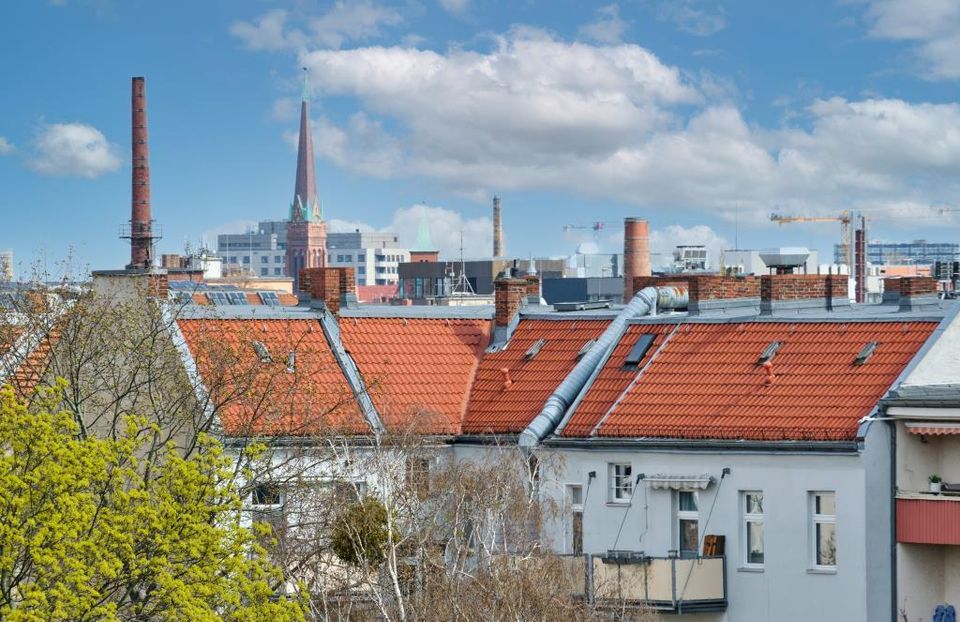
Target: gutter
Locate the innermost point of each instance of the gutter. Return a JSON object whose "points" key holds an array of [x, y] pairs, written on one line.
{"points": [[707, 445]]}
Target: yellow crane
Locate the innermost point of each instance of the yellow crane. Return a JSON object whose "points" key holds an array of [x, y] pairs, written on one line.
{"points": [[844, 218]]}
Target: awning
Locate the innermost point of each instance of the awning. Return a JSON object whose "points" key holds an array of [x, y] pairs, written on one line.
{"points": [[678, 482], [933, 429]]}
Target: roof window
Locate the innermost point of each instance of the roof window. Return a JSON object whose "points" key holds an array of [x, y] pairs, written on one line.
{"points": [[865, 353], [269, 298], [262, 352], [586, 348], [638, 350], [534, 349], [291, 362], [769, 352]]}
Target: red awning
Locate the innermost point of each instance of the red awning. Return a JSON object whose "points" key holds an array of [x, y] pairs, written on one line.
{"points": [[933, 429]]}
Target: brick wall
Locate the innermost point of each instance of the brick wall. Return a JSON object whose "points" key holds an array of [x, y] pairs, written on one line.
{"points": [[158, 286], [532, 285], [917, 286], [802, 286], [508, 297], [704, 287], [331, 285]]}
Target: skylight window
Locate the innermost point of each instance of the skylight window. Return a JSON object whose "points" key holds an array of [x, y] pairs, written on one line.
{"points": [[865, 353], [292, 362], [769, 352], [218, 298], [534, 349], [236, 298], [638, 351], [262, 352], [269, 298], [586, 348]]}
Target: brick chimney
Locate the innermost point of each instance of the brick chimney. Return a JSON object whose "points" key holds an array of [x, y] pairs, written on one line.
{"points": [[636, 253], [335, 287], [532, 288], [918, 292], [782, 293], [508, 298], [711, 294]]}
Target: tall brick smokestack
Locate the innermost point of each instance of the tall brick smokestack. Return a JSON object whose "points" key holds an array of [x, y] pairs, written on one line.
{"points": [[497, 229], [636, 253], [141, 221]]}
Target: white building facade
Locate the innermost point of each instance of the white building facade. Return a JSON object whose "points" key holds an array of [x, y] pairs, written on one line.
{"points": [[375, 257]]}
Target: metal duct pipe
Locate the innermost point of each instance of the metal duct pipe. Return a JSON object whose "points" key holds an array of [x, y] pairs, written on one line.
{"points": [[645, 302]]}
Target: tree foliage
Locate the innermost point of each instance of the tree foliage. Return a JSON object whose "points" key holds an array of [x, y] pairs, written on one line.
{"points": [[360, 535], [86, 534]]}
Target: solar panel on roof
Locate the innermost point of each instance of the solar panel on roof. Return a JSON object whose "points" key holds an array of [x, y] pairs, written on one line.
{"points": [[182, 298], [236, 298], [269, 298], [638, 350], [218, 298]]}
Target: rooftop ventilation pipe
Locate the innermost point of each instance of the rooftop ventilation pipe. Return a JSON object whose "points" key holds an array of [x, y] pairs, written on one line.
{"points": [[645, 302]]}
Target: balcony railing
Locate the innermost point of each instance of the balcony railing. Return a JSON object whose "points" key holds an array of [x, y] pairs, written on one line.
{"points": [[928, 519]]}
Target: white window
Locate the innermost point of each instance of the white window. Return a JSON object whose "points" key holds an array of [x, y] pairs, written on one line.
{"points": [[266, 496], [823, 530], [752, 534], [575, 498], [688, 523], [620, 476]]}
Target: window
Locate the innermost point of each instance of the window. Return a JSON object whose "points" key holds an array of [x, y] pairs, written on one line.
{"points": [[361, 258], [638, 350], [264, 259], [278, 259], [575, 497], [266, 496], [246, 259], [752, 529], [278, 271], [620, 476], [264, 271], [688, 523], [823, 523], [418, 476]]}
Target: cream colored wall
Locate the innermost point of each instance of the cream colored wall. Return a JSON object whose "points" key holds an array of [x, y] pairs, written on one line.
{"points": [[917, 460], [920, 579], [951, 575]]}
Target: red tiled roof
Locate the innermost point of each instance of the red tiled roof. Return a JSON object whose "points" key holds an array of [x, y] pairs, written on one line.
{"points": [[32, 368], [375, 293], [613, 379], [418, 370], [705, 382], [496, 408], [257, 398]]}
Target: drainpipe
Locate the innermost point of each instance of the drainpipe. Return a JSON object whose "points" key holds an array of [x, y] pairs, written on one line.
{"points": [[644, 302], [893, 519]]}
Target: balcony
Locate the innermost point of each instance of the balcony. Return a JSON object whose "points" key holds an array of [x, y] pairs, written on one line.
{"points": [[928, 519], [632, 580]]}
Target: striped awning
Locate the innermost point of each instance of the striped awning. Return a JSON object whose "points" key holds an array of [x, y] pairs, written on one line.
{"points": [[933, 429]]}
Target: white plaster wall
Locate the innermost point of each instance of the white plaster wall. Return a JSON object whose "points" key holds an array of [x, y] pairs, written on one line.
{"points": [[785, 590], [920, 580], [941, 363], [918, 458]]}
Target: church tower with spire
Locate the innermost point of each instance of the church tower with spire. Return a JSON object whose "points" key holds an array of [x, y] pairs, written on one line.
{"points": [[306, 231]]}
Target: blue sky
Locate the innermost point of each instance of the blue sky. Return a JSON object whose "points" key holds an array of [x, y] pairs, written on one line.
{"points": [[701, 116]]}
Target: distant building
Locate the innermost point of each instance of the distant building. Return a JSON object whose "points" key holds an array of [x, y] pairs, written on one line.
{"points": [[917, 252], [690, 259], [375, 257], [6, 266], [748, 261], [587, 289], [259, 253], [204, 262]]}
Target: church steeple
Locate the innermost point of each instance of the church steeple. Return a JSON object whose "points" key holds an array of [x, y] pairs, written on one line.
{"points": [[306, 203]]}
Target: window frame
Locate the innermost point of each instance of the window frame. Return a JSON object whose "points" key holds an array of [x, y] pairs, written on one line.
{"points": [[815, 520], [619, 482], [576, 514], [687, 515], [746, 519]]}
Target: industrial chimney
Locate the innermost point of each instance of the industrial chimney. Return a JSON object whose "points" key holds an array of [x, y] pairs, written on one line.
{"points": [[497, 229], [636, 253], [140, 230]]}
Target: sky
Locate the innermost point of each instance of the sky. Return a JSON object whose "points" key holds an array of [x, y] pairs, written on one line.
{"points": [[702, 116]]}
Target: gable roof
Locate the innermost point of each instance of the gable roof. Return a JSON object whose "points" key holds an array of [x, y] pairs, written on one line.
{"points": [[706, 383], [418, 371], [257, 397], [500, 409]]}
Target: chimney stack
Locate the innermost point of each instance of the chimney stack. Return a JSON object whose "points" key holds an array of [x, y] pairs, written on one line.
{"points": [[335, 287], [140, 230], [636, 253], [497, 229]]}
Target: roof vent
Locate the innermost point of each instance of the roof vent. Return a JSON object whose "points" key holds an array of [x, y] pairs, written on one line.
{"points": [[638, 351], [291, 362], [534, 349], [865, 353], [586, 348], [788, 257], [769, 352], [262, 352]]}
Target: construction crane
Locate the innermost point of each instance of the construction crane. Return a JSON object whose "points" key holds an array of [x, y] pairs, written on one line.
{"points": [[596, 227], [844, 218]]}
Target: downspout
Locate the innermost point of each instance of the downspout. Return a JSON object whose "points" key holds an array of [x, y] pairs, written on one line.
{"points": [[644, 302], [893, 520]]}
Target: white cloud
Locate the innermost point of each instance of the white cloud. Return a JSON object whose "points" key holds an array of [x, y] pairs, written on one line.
{"points": [[933, 25], [345, 21], [6, 147], [456, 7], [73, 149], [691, 17], [608, 27]]}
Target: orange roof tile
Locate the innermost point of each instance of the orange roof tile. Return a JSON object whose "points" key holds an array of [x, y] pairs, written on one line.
{"points": [[418, 370], [257, 398], [32, 368], [705, 382], [496, 408]]}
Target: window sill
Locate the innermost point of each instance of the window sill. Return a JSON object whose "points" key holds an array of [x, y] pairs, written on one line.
{"points": [[758, 569], [821, 571], [618, 504]]}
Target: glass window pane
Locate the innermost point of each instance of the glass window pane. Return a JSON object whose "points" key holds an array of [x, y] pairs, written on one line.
{"points": [[826, 544], [576, 495], [754, 502], [688, 537], [754, 543], [688, 501], [825, 503]]}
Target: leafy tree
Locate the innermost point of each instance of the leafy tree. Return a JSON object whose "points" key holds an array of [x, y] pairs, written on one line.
{"points": [[360, 535], [86, 535]]}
